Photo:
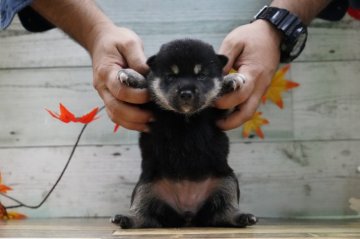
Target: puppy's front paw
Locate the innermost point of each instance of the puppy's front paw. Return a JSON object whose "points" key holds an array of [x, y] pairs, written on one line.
{"points": [[232, 82], [132, 78]]}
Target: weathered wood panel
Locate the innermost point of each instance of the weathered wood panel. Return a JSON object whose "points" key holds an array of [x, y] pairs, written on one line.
{"points": [[160, 21], [326, 106], [276, 179]]}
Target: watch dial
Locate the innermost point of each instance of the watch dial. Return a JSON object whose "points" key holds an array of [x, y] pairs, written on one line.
{"points": [[300, 43]]}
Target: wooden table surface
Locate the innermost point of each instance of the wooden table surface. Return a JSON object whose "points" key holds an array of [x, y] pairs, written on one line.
{"points": [[102, 228]]}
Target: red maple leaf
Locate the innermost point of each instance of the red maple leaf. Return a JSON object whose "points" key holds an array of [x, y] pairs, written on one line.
{"points": [[116, 127], [3, 187], [66, 116]]}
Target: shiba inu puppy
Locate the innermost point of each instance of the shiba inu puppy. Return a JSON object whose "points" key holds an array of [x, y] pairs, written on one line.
{"points": [[185, 179]]}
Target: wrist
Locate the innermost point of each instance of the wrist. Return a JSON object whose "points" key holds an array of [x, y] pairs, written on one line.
{"points": [[95, 33], [270, 30]]}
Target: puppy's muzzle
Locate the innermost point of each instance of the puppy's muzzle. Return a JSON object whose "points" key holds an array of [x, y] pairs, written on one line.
{"points": [[186, 96], [186, 100]]}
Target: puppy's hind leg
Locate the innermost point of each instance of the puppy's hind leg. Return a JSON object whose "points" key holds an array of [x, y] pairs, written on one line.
{"points": [[124, 222], [131, 78], [127, 222], [148, 211], [221, 208]]}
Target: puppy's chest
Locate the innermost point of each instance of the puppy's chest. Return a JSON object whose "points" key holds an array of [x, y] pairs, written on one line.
{"points": [[185, 195]]}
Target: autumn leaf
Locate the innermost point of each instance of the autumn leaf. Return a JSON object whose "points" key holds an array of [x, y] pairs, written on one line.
{"points": [[254, 125], [5, 215], [232, 70], [279, 85], [116, 127], [3, 187], [11, 215], [15, 216], [66, 116]]}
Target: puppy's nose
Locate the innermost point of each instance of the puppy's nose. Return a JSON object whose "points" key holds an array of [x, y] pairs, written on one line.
{"points": [[186, 95]]}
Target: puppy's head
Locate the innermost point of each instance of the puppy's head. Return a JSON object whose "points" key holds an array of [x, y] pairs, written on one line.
{"points": [[186, 75]]}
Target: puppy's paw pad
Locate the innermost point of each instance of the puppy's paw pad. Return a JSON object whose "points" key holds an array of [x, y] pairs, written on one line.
{"points": [[233, 82], [131, 78], [244, 220]]}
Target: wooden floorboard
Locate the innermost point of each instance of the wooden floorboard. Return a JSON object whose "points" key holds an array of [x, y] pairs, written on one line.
{"points": [[102, 228]]}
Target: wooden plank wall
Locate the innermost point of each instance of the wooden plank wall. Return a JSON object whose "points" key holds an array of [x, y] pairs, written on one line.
{"points": [[307, 166]]}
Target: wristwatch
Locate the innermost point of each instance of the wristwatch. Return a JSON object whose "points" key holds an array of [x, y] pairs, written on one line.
{"points": [[293, 30]]}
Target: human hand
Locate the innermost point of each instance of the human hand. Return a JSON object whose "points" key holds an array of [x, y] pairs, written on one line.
{"points": [[253, 50], [112, 49]]}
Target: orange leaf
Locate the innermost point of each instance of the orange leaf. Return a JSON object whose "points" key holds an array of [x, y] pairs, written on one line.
{"points": [[66, 116], [3, 212], [232, 70], [254, 125], [116, 128], [85, 119], [279, 85], [3, 188], [14, 216]]}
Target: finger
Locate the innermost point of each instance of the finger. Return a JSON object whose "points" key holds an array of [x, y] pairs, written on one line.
{"points": [[123, 92], [135, 57], [122, 111], [244, 113], [133, 126], [232, 49], [240, 95]]}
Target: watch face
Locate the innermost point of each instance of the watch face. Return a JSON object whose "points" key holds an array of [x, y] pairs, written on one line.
{"points": [[300, 43]]}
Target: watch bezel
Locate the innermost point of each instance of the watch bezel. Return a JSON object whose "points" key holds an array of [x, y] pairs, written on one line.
{"points": [[288, 24]]}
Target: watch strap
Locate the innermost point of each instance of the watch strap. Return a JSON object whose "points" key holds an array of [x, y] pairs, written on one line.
{"points": [[289, 24]]}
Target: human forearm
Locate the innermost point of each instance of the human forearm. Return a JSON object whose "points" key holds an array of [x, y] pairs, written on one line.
{"points": [[111, 49], [307, 10], [81, 19]]}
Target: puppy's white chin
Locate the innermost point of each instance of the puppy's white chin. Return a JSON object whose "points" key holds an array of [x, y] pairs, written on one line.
{"points": [[186, 109]]}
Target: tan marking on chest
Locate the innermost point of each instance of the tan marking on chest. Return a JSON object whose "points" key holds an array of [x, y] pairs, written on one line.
{"points": [[185, 195]]}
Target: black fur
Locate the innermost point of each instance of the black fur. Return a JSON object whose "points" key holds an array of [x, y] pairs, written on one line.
{"points": [[184, 144]]}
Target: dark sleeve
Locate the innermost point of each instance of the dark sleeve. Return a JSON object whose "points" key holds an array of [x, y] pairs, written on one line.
{"points": [[32, 21], [335, 11]]}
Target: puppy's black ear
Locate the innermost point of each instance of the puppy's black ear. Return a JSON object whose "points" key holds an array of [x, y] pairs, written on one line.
{"points": [[151, 61], [223, 59]]}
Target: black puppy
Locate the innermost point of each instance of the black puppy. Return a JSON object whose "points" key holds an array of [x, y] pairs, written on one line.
{"points": [[185, 179]]}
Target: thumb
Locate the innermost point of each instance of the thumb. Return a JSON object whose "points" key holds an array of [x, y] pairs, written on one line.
{"points": [[232, 51], [135, 58]]}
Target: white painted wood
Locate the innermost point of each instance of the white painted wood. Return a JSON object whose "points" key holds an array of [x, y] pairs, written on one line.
{"points": [[160, 21], [276, 179], [326, 106]]}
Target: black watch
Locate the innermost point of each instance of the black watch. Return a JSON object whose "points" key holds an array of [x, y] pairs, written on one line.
{"points": [[294, 31]]}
